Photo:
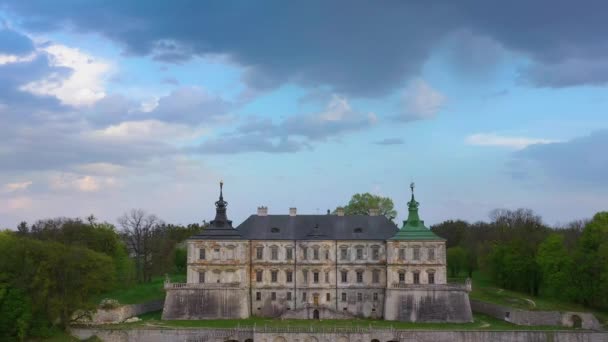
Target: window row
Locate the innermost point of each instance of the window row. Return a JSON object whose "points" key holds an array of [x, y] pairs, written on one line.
{"points": [[416, 253], [316, 276], [216, 253], [359, 296], [316, 253], [430, 277]]}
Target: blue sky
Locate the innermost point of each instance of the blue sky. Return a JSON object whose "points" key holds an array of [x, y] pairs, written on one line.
{"points": [[108, 106]]}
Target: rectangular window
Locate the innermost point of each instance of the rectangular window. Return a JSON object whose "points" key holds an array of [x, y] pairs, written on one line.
{"points": [[315, 277], [416, 278], [431, 278], [401, 253], [344, 275], [327, 297], [274, 275], [201, 277], [315, 254], [402, 277], [305, 253], [327, 277], [216, 253], [343, 253], [201, 254], [288, 295], [327, 255], [274, 253], [431, 253], [359, 297], [303, 296], [359, 276], [375, 253], [289, 276], [344, 296], [258, 296], [259, 253], [273, 296], [359, 253], [289, 253], [258, 276], [375, 296], [375, 276], [305, 274], [416, 253]]}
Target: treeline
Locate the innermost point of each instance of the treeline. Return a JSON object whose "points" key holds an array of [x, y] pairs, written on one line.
{"points": [[55, 270], [519, 252]]}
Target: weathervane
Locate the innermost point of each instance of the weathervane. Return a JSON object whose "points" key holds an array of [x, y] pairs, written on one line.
{"points": [[412, 185]]}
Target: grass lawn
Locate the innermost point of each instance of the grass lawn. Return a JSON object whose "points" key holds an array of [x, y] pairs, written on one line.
{"points": [[141, 293], [481, 322]]}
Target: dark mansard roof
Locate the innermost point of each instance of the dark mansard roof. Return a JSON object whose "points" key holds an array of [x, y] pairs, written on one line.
{"points": [[317, 227]]}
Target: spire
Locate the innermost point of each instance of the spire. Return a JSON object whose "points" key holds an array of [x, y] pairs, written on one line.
{"points": [[413, 228], [220, 208], [412, 206]]}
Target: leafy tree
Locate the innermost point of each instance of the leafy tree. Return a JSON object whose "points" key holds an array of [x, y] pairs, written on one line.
{"points": [[556, 266], [360, 204], [457, 258], [591, 260], [15, 313], [180, 260], [453, 231]]}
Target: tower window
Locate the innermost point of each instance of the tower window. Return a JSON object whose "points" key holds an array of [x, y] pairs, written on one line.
{"points": [[375, 276], [315, 253], [359, 276], [344, 296], [416, 278], [375, 253], [343, 253], [431, 278], [401, 277], [344, 275], [416, 253], [259, 253], [201, 254], [274, 276], [258, 296], [201, 277], [431, 253], [274, 253], [289, 253], [401, 253], [315, 277], [289, 276], [258, 275], [359, 253]]}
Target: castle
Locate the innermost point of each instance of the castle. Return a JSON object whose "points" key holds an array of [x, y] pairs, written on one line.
{"points": [[317, 267]]}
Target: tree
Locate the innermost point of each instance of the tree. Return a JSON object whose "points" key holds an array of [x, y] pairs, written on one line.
{"points": [[453, 231], [556, 266], [457, 258], [591, 262], [137, 230], [360, 204]]}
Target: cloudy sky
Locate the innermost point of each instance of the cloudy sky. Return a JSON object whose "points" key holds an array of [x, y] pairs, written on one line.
{"points": [[110, 106]]}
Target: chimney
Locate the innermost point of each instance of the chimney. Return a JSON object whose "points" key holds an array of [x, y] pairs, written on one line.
{"points": [[340, 211], [374, 212], [293, 211], [262, 211]]}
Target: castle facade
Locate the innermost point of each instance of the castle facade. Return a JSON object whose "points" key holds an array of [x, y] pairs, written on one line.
{"points": [[317, 267]]}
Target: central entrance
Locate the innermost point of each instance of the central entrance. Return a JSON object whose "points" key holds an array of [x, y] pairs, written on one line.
{"points": [[315, 314]]}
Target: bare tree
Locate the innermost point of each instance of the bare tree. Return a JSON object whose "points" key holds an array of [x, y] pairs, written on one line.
{"points": [[137, 230]]}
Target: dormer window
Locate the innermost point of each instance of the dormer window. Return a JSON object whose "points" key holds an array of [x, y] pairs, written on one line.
{"points": [[275, 230], [358, 230]]}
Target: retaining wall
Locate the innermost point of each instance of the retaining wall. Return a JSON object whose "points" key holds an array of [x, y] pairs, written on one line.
{"points": [[364, 335], [525, 317], [119, 314]]}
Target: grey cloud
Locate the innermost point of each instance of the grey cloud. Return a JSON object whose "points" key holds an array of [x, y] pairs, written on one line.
{"points": [[190, 105], [14, 43], [368, 49], [390, 141], [581, 160], [249, 143]]}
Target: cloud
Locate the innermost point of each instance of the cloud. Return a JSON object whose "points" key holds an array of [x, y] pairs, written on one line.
{"points": [[13, 43], [85, 84], [567, 73], [293, 134], [582, 160], [474, 54], [190, 105], [513, 142], [84, 183], [420, 101], [389, 141], [130, 131], [12, 187]]}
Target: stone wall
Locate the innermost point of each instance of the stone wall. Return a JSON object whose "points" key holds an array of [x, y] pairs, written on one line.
{"points": [[438, 303], [119, 314], [354, 335], [222, 301], [525, 317]]}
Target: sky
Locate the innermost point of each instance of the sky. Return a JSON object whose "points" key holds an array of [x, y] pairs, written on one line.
{"points": [[107, 106]]}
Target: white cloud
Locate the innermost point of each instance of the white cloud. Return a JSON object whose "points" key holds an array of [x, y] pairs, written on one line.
{"points": [[83, 183], [11, 187], [8, 59], [149, 129], [513, 142], [420, 101], [84, 85]]}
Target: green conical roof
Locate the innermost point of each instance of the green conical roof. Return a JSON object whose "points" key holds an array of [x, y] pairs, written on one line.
{"points": [[413, 228]]}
